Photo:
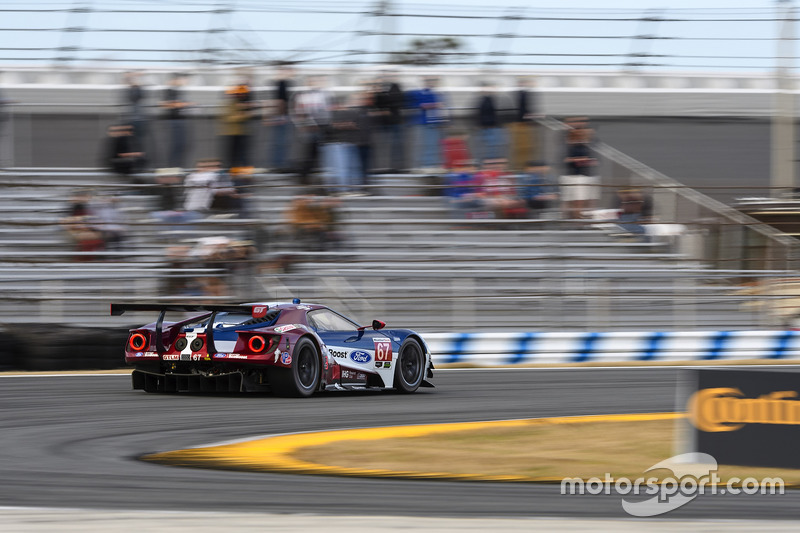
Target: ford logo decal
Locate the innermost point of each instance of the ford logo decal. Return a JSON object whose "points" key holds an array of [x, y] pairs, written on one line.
{"points": [[220, 355], [360, 356]]}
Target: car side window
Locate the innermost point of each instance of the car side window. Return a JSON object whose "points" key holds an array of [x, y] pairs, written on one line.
{"points": [[327, 320]]}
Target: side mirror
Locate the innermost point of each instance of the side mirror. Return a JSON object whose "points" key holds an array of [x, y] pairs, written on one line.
{"points": [[377, 324]]}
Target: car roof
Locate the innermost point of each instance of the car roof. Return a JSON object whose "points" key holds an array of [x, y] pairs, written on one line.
{"points": [[289, 305]]}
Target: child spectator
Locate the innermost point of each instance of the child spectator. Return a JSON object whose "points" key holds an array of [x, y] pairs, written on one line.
{"points": [[635, 209], [535, 187], [498, 188], [461, 190]]}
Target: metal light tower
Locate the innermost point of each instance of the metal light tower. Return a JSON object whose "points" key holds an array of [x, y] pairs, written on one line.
{"points": [[783, 127]]}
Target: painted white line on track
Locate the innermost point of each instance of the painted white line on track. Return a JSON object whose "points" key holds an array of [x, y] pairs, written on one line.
{"points": [[37, 519]]}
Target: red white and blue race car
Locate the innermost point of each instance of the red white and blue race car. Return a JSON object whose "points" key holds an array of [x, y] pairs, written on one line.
{"points": [[291, 349]]}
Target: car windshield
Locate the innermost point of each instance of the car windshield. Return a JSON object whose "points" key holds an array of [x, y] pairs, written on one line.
{"points": [[327, 320], [227, 320]]}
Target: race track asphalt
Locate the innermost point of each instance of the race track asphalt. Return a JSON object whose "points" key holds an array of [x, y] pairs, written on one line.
{"points": [[73, 441]]}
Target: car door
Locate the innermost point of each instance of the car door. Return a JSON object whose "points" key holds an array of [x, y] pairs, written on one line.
{"points": [[365, 350]]}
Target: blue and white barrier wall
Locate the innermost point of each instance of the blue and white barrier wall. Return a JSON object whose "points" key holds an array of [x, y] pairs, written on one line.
{"points": [[491, 349]]}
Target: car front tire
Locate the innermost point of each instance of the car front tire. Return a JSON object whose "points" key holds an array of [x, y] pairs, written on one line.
{"points": [[410, 367]]}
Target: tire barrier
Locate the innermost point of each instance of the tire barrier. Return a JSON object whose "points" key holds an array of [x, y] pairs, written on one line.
{"points": [[46, 347], [497, 349]]}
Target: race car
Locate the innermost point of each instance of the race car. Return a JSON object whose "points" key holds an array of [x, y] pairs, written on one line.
{"points": [[291, 349]]}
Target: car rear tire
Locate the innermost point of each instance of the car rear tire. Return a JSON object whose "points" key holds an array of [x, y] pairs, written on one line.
{"points": [[301, 379], [410, 367]]}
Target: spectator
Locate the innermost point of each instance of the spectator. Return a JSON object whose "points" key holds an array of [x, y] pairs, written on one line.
{"points": [[430, 117], [498, 189], [79, 227], [388, 106], [199, 188], [133, 100], [313, 222], [536, 187], [364, 135], [579, 191], [230, 191], [635, 209], [455, 150], [461, 190], [168, 184], [340, 150], [176, 105], [490, 134], [107, 219], [278, 120], [119, 154], [312, 115], [235, 125], [525, 141], [225, 195]]}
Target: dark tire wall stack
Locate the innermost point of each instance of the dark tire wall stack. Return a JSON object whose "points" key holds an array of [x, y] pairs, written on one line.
{"points": [[47, 347]]}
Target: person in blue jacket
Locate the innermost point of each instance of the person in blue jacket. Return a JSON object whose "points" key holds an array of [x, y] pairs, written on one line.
{"points": [[429, 119]]}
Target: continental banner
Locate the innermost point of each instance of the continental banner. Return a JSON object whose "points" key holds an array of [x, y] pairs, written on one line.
{"points": [[745, 417]]}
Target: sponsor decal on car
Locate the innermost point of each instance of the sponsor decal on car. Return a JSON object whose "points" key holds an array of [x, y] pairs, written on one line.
{"points": [[353, 375], [277, 355], [383, 350], [341, 354], [220, 355], [150, 354], [360, 356], [172, 357], [236, 356], [138, 354], [286, 358], [284, 329], [387, 364]]}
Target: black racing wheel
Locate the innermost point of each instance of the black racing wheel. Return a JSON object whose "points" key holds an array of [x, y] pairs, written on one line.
{"points": [[301, 379], [410, 366]]}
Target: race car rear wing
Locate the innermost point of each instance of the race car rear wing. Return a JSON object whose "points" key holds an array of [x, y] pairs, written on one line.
{"points": [[256, 311], [119, 309]]}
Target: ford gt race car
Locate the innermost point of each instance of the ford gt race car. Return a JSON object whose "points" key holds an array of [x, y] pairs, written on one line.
{"points": [[290, 349]]}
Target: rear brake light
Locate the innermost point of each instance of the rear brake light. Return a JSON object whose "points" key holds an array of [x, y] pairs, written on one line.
{"points": [[137, 342], [257, 344]]}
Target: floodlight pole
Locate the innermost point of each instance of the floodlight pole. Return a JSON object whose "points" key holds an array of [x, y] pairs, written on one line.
{"points": [[383, 10], [783, 123]]}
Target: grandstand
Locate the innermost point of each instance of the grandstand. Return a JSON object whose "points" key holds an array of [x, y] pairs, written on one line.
{"points": [[404, 259]]}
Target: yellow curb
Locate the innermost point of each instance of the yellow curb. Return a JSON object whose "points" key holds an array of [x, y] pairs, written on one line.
{"points": [[275, 454]]}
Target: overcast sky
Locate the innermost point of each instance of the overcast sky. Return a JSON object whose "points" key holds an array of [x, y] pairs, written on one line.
{"points": [[729, 35]]}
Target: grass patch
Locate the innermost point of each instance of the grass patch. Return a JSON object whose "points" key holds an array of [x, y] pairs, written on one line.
{"points": [[548, 451]]}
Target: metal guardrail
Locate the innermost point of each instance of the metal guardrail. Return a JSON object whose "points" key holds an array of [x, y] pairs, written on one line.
{"points": [[727, 237]]}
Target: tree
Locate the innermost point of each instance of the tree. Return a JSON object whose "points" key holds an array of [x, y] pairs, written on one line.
{"points": [[431, 51]]}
